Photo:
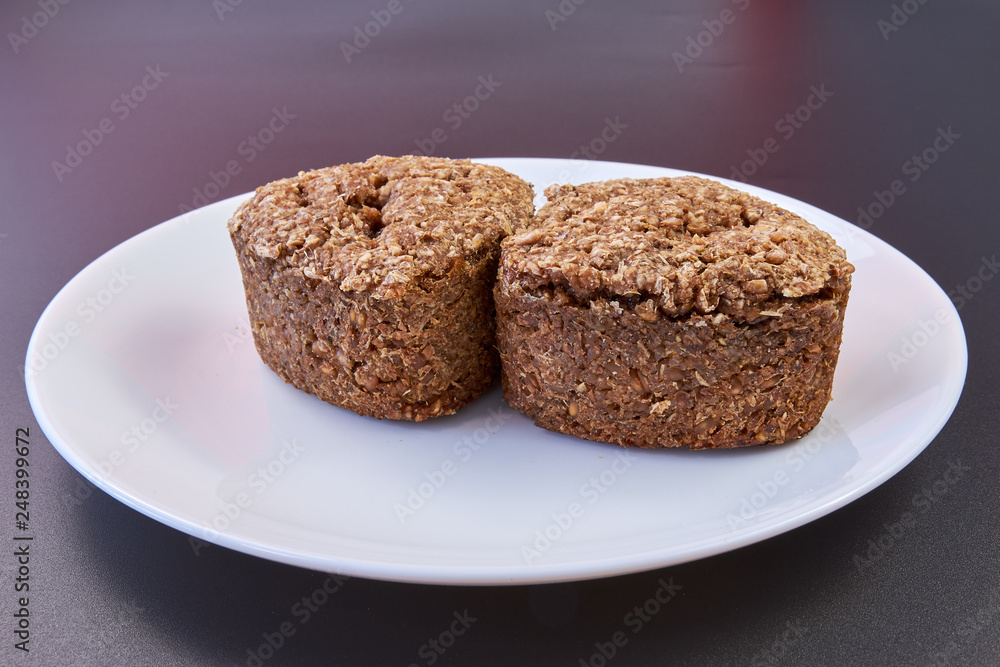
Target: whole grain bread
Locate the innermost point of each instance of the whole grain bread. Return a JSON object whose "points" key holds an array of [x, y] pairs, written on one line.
{"points": [[670, 312], [370, 284]]}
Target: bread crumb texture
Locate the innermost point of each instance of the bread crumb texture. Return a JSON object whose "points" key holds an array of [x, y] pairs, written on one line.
{"points": [[370, 284], [670, 312]]}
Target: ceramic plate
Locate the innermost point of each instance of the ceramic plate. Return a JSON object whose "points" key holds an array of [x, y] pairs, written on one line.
{"points": [[142, 374]]}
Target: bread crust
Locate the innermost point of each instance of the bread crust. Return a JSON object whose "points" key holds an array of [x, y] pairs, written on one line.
{"points": [[670, 312], [369, 284]]}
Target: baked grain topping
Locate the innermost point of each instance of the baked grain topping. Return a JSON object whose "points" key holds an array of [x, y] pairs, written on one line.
{"points": [[674, 244], [383, 224]]}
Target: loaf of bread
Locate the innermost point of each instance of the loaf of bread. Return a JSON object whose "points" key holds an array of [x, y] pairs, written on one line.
{"points": [[370, 284], [670, 312]]}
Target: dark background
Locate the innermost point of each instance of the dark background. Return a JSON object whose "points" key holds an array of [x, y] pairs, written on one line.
{"points": [[112, 587]]}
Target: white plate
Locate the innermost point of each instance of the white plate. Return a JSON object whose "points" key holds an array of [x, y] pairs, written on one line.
{"points": [[158, 325]]}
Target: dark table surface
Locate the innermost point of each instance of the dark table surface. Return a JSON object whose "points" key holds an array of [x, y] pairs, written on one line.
{"points": [[699, 86]]}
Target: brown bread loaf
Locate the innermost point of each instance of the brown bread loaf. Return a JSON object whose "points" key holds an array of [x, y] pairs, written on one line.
{"points": [[670, 312], [370, 284]]}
